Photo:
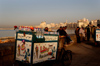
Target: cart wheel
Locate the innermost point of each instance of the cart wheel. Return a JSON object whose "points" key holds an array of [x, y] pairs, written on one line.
{"points": [[67, 58], [60, 53]]}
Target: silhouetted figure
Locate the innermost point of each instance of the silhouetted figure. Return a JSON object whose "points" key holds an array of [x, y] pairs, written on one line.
{"points": [[62, 35], [77, 34], [60, 31], [88, 33], [93, 32]]}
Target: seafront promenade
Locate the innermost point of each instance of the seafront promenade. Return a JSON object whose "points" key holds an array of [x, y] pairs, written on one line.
{"points": [[84, 53]]}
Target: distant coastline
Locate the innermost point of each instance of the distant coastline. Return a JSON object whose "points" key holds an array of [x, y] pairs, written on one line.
{"points": [[3, 38], [6, 28]]}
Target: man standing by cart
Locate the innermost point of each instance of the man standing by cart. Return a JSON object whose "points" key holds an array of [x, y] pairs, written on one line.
{"points": [[62, 35]]}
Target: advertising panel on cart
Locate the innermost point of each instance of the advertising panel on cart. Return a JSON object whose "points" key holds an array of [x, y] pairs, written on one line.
{"points": [[23, 47], [97, 35], [46, 50]]}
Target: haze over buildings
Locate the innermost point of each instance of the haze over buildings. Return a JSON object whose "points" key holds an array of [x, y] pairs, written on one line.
{"points": [[33, 12], [83, 22]]}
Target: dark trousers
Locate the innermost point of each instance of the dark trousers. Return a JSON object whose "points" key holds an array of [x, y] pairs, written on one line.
{"points": [[88, 36], [67, 39], [78, 39], [93, 36]]}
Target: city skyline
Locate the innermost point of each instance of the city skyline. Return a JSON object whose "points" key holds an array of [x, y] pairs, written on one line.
{"points": [[33, 12]]}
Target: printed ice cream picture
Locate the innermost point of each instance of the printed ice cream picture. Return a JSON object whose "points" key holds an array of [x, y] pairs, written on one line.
{"points": [[44, 51], [23, 47], [23, 51]]}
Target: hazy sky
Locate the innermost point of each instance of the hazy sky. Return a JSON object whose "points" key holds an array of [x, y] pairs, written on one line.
{"points": [[33, 12]]}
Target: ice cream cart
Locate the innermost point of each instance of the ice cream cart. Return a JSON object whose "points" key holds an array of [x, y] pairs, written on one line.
{"points": [[32, 47]]}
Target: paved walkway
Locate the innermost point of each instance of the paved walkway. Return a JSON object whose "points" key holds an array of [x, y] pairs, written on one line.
{"points": [[85, 54]]}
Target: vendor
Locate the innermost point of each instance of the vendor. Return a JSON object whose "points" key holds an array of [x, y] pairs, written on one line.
{"points": [[46, 29], [62, 35]]}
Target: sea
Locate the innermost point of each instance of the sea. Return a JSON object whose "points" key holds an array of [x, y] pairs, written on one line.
{"points": [[11, 33]]}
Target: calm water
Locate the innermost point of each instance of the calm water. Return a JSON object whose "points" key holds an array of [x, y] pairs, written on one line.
{"points": [[7, 33], [11, 33]]}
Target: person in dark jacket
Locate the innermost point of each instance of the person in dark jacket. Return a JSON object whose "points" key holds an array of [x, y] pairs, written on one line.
{"points": [[88, 33], [62, 32], [62, 35], [77, 34]]}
